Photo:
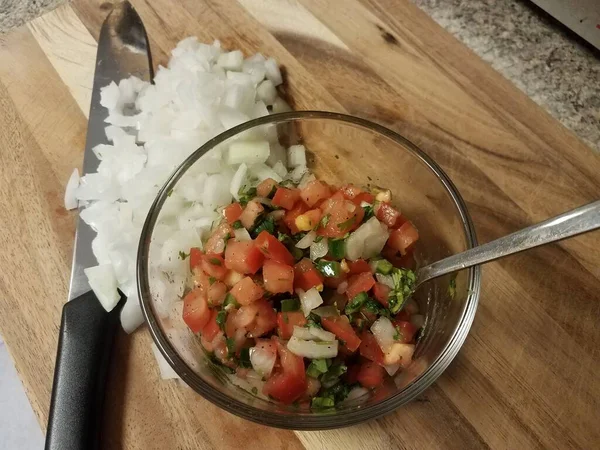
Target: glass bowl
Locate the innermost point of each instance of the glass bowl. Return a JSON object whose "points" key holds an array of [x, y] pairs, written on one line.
{"points": [[340, 149]]}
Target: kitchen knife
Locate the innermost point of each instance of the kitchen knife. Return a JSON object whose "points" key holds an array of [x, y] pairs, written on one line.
{"points": [[87, 331]]}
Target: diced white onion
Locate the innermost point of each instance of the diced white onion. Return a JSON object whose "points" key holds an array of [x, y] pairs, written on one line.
{"points": [[313, 349], [303, 333], [238, 180], [72, 185], [355, 393], [272, 72], [319, 249], [278, 214], [296, 156], [309, 300], [307, 240], [266, 92], [341, 289], [262, 361], [385, 279], [367, 241], [391, 369], [103, 282], [262, 172], [249, 152], [384, 332], [241, 234], [321, 334], [131, 314]]}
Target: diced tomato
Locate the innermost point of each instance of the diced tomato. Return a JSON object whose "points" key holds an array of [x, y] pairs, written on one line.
{"points": [[195, 257], [344, 216], [195, 310], [406, 331], [334, 282], [273, 249], [232, 212], [356, 194], [214, 265], [216, 242], [278, 278], [370, 375], [211, 329], [267, 344], [265, 319], [358, 266], [363, 282], [290, 217], [403, 237], [243, 257], [381, 293], [251, 212], [286, 198], [231, 325], [265, 187], [217, 293], [368, 315], [201, 280], [387, 214], [289, 384], [306, 276], [402, 316], [286, 322], [246, 291], [369, 348], [341, 327], [351, 376], [314, 192]]}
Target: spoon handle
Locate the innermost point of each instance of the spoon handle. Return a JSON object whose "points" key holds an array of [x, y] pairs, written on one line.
{"points": [[577, 221]]}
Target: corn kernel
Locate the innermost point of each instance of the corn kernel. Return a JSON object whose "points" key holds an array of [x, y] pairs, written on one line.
{"points": [[344, 266], [319, 287], [303, 223]]}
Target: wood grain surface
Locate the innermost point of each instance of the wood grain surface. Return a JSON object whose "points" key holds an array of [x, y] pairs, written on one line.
{"points": [[527, 375]]}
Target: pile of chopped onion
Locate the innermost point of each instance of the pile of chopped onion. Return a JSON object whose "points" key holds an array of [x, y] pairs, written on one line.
{"points": [[152, 128]]}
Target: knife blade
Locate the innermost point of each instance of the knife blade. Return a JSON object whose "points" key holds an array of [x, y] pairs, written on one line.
{"points": [[87, 331]]}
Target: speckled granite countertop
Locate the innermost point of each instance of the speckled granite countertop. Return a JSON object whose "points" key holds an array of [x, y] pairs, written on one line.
{"points": [[539, 56]]}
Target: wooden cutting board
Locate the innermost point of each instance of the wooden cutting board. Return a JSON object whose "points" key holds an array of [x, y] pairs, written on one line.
{"points": [[527, 375]]}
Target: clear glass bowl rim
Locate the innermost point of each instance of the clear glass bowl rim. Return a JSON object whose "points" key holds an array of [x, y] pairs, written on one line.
{"points": [[307, 421]]}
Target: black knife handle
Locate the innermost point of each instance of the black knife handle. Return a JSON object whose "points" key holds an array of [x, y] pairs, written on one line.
{"points": [[87, 333]]}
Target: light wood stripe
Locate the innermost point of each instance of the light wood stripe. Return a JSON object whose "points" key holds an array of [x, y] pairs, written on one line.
{"points": [[525, 377], [71, 50]]}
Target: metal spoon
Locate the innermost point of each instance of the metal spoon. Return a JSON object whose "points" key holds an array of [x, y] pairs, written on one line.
{"points": [[580, 220]]}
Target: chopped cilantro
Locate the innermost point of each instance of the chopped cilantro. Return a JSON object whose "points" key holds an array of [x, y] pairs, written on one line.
{"points": [[318, 239], [183, 255], [230, 347], [246, 194], [369, 212], [211, 280], [237, 225], [404, 282], [324, 221], [282, 237], [313, 321], [334, 373], [266, 224], [170, 192], [230, 300], [221, 318], [215, 261], [244, 360]]}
